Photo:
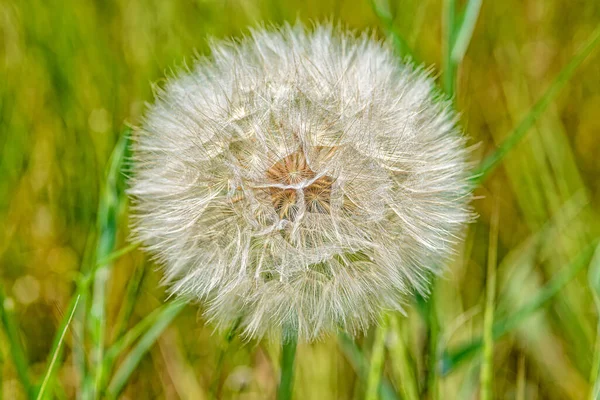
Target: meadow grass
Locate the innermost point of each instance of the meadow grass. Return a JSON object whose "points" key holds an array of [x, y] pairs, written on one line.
{"points": [[83, 314]]}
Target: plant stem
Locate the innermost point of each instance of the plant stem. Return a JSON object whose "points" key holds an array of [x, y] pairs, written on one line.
{"points": [[594, 283], [168, 312], [488, 323], [360, 364], [433, 326], [111, 204], [377, 360], [405, 376], [56, 351], [450, 66], [215, 386], [387, 19], [14, 344], [288, 354]]}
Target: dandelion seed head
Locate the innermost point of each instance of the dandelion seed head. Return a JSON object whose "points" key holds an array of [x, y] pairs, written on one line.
{"points": [[300, 180]]}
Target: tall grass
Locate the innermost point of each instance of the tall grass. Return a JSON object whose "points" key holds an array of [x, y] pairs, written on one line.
{"points": [[83, 314]]}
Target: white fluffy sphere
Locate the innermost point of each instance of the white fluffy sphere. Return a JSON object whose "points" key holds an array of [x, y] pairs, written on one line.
{"points": [[300, 180]]}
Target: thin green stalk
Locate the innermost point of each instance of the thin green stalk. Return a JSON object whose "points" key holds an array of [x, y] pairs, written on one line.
{"points": [[433, 335], [78, 305], [488, 322], [454, 358], [595, 370], [79, 322], [452, 28], [16, 349], [118, 254], [57, 347], [215, 386], [79, 351], [517, 134], [361, 366], [594, 283], [387, 20], [127, 339], [131, 297], [131, 361], [125, 311], [402, 366], [449, 65], [288, 355], [462, 37], [457, 33], [111, 204], [377, 361]]}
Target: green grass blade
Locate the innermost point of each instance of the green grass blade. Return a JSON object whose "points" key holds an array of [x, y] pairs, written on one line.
{"points": [[79, 298], [514, 137], [168, 312], [387, 20], [80, 351], [110, 206], [452, 359], [594, 282], [79, 323], [594, 277], [465, 29], [433, 335], [131, 297], [16, 349], [449, 29], [361, 366], [121, 344], [377, 361], [488, 323], [56, 348], [457, 34], [118, 254], [402, 366], [216, 380], [288, 356]]}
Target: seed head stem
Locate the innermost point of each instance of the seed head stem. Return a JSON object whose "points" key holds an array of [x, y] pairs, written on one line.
{"points": [[288, 355]]}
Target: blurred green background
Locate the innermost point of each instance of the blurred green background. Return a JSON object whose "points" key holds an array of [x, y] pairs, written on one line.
{"points": [[73, 74]]}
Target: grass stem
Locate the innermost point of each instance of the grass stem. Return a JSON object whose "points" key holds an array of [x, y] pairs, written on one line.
{"points": [[56, 352], [594, 283], [216, 380], [488, 322], [288, 355], [360, 364], [402, 365], [168, 312], [14, 343], [377, 361]]}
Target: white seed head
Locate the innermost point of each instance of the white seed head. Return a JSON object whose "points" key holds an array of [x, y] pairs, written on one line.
{"points": [[300, 180]]}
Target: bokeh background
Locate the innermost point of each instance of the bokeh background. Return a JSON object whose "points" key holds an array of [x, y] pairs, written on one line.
{"points": [[74, 74]]}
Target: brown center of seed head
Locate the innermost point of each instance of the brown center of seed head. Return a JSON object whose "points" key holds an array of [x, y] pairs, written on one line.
{"points": [[294, 169]]}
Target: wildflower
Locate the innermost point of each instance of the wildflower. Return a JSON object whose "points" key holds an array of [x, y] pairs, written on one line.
{"points": [[301, 181]]}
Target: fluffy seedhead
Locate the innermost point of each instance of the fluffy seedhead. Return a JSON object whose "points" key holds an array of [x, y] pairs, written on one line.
{"points": [[300, 180]]}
